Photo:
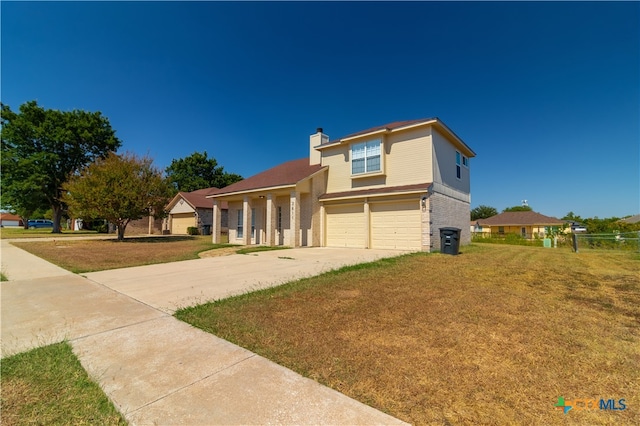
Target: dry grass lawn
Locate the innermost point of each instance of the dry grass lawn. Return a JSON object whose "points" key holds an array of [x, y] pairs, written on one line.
{"points": [[492, 336], [95, 255]]}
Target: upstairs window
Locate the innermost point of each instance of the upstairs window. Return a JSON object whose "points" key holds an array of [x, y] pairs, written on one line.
{"points": [[365, 157], [461, 160]]}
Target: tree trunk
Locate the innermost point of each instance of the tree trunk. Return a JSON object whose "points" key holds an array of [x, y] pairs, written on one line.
{"points": [[57, 217], [121, 228]]}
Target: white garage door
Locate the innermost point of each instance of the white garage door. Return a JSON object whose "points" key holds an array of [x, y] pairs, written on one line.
{"points": [[396, 225], [180, 222], [345, 226]]}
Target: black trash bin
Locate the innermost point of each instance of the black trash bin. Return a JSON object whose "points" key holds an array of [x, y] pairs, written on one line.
{"points": [[450, 240], [206, 229]]}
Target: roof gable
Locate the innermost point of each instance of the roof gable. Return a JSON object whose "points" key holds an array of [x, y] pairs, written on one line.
{"points": [[197, 199], [285, 174], [390, 126], [520, 218], [400, 125]]}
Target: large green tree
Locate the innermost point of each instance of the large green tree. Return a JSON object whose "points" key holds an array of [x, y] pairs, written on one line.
{"points": [[42, 148], [119, 188], [198, 171], [524, 208], [483, 212]]}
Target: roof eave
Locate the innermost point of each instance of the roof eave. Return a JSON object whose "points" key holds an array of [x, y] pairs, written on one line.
{"points": [[387, 194]]}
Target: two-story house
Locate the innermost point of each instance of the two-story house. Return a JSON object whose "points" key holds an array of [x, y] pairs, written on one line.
{"points": [[391, 186]]}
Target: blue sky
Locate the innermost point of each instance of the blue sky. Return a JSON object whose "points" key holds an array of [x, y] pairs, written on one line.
{"points": [[547, 94]]}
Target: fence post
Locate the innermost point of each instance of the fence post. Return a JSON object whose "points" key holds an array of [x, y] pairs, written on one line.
{"points": [[575, 242]]}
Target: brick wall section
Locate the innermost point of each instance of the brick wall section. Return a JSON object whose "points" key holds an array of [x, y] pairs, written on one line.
{"points": [[425, 219], [205, 217], [447, 211], [141, 226]]}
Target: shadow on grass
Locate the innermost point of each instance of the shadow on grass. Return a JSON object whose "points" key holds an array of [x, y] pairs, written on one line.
{"points": [[163, 240]]}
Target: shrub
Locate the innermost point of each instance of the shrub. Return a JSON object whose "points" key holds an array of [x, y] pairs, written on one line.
{"points": [[102, 228], [192, 230]]}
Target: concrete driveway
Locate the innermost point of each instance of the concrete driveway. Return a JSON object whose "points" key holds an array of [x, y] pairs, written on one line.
{"points": [[158, 370], [171, 286]]}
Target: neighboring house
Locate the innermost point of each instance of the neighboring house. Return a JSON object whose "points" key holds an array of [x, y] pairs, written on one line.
{"points": [[576, 227], [389, 187], [147, 225], [477, 227], [8, 219], [631, 219], [528, 224], [193, 209]]}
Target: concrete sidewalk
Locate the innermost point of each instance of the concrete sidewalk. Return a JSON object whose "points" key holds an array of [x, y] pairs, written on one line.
{"points": [[156, 369]]}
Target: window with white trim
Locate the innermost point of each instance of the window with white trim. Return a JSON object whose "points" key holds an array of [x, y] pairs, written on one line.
{"points": [[461, 160], [366, 157], [239, 229]]}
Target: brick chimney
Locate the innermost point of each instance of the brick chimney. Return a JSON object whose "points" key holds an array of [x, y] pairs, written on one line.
{"points": [[318, 138]]}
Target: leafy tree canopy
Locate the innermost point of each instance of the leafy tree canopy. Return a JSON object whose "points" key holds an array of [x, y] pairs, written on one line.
{"points": [[572, 217], [198, 171], [119, 188], [518, 209], [483, 212], [41, 148]]}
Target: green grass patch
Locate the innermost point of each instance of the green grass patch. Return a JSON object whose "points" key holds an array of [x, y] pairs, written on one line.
{"points": [[3, 277], [48, 386]]}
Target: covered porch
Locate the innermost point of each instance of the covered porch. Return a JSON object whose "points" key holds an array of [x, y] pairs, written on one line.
{"points": [[286, 215]]}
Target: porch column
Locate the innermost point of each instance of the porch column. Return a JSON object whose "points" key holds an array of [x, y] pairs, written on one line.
{"points": [[246, 221], [216, 226], [323, 226], [295, 219], [367, 226], [271, 221]]}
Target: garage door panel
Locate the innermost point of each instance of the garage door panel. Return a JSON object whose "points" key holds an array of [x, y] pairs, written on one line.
{"points": [[180, 222], [396, 225], [345, 226]]}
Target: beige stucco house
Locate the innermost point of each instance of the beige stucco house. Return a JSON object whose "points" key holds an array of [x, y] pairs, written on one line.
{"points": [[389, 187], [193, 209]]}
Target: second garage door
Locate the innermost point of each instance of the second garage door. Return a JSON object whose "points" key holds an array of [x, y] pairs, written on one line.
{"points": [[180, 222], [345, 226], [396, 225]]}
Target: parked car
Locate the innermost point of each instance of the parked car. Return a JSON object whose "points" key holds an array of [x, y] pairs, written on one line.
{"points": [[40, 223]]}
